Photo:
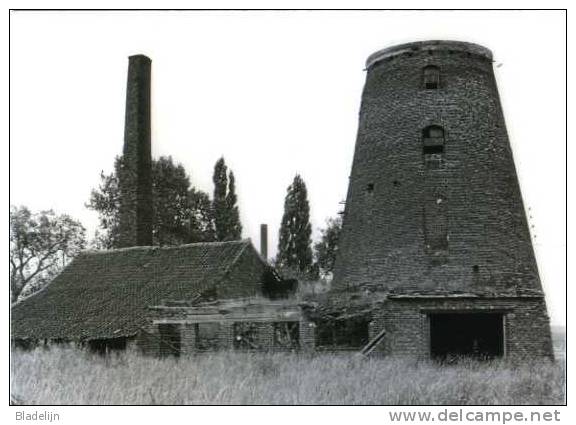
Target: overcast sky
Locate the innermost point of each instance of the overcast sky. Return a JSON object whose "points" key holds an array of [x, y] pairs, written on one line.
{"points": [[275, 93]]}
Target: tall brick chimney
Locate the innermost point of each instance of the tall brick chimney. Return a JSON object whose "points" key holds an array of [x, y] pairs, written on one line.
{"points": [[135, 176], [264, 241]]}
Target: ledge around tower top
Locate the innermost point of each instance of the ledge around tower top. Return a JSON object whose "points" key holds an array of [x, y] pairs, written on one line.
{"points": [[428, 46]]}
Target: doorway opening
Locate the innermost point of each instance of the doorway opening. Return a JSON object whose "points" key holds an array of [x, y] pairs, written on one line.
{"points": [[170, 341], [477, 335]]}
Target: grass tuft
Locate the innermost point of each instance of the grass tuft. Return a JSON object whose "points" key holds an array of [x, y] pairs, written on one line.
{"points": [[68, 376]]}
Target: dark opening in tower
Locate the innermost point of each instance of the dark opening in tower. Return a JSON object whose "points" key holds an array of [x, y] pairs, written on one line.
{"points": [[478, 335], [433, 146], [431, 77]]}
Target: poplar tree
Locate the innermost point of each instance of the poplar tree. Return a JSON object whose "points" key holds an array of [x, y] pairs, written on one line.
{"points": [[226, 214], [234, 225], [220, 180], [294, 242]]}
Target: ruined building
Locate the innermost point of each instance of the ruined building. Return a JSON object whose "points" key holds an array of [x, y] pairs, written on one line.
{"points": [[435, 257], [161, 300], [435, 248]]}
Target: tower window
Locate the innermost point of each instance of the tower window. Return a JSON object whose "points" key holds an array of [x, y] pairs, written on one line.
{"points": [[433, 149], [370, 187], [431, 77], [433, 146]]}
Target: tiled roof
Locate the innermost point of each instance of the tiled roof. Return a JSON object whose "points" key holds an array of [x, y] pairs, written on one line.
{"points": [[105, 294]]}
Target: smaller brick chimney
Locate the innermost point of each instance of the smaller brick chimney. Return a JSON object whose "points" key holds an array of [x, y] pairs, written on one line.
{"points": [[264, 241]]}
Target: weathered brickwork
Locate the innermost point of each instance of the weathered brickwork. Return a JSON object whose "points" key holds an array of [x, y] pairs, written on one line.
{"points": [[244, 278], [437, 215], [149, 342], [236, 324], [526, 325], [307, 336], [136, 211], [384, 230]]}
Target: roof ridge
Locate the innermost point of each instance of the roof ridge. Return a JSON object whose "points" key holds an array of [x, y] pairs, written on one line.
{"points": [[233, 262], [245, 241]]}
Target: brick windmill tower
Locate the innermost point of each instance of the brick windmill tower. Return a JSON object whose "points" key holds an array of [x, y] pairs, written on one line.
{"points": [[435, 236]]}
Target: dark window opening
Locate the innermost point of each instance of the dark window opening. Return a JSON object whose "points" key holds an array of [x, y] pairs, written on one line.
{"points": [[275, 287], [475, 268], [396, 183], [25, 344], [207, 336], [478, 335], [433, 146], [170, 339], [286, 335], [370, 187], [245, 336], [431, 77], [107, 345], [433, 150], [349, 333]]}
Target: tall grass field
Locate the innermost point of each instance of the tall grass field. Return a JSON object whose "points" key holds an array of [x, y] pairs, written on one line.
{"points": [[71, 376]]}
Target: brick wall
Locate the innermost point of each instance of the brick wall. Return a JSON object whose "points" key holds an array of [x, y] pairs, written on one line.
{"points": [[224, 330], [383, 240], [244, 279], [526, 325], [307, 336]]}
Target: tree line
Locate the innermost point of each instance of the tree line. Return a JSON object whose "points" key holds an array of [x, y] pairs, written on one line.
{"points": [[182, 213], [42, 243]]}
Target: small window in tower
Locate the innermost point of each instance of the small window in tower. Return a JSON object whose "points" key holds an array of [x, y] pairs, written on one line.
{"points": [[433, 149], [431, 77], [433, 146], [370, 188], [433, 132]]}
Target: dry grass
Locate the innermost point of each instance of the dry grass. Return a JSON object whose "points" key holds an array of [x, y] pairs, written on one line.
{"points": [[68, 376]]}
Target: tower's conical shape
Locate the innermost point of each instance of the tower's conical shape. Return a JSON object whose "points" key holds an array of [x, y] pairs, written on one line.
{"points": [[434, 205]]}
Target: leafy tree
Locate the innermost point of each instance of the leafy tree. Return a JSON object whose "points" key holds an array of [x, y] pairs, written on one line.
{"points": [[201, 225], [226, 215], [327, 247], [294, 245], [182, 214], [170, 194], [106, 201], [41, 244]]}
